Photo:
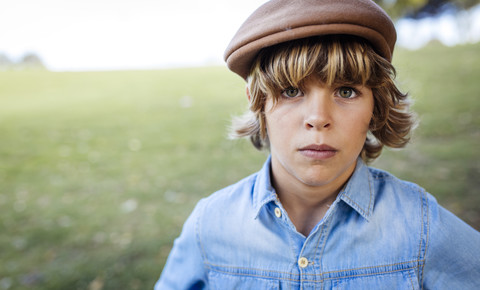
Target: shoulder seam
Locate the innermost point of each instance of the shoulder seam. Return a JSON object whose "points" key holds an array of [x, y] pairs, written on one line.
{"points": [[382, 175], [425, 231], [201, 205]]}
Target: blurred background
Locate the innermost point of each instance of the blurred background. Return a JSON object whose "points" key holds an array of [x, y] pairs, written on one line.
{"points": [[114, 117]]}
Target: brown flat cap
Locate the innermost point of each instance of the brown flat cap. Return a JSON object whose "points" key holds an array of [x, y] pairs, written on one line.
{"points": [[279, 21]]}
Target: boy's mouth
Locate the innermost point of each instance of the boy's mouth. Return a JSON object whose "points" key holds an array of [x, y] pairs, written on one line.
{"points": [[319, 152]]}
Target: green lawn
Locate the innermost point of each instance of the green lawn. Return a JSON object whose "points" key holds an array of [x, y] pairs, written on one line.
{"points": [[98, 170]]}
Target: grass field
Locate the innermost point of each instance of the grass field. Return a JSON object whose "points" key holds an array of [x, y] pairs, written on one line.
{"points": [[98, 170]]}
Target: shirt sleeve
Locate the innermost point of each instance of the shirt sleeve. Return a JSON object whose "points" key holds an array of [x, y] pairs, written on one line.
{"points": [[453, 252], [184, 268]]}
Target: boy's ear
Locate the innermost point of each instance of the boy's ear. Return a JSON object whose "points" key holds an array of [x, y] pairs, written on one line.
{"points": [[247, 91]]}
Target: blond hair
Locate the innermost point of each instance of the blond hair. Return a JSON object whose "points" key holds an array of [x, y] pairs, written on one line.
{"points": [[339, 59]]}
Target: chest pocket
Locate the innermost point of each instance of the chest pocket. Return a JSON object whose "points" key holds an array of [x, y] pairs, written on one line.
{"points": [[388, 281], [221, 281]]}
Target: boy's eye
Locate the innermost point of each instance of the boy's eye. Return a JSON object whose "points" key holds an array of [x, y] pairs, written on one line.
{"points": [[291, 93], [346, 92]]}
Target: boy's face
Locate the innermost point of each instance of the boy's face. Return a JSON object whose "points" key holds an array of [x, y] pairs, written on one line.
{"points": [[317, 134]]}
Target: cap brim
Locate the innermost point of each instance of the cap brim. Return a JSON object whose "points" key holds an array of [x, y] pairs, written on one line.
{"points": [[240, 60]]}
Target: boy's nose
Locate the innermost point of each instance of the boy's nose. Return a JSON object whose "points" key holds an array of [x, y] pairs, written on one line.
{"points": [[318, 113]]}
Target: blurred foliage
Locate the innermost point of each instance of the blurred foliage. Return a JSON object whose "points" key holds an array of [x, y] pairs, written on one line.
{"points": [[423, 8], [28, 61]]}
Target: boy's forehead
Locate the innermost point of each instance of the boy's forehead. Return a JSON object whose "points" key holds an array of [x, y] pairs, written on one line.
{"points": [[279, 21]]}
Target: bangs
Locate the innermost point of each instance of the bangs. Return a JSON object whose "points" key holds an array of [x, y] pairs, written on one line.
{"points": [[334, 60]]}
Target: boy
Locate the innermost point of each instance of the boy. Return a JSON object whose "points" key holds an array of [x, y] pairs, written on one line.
{"points": [[323, 102]]}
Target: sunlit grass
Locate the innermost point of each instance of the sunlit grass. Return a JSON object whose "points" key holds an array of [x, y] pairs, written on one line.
{"points": [[98, 170]]}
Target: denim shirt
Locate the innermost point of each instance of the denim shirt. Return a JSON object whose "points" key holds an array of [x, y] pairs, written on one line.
{"points": [[380, 233]]}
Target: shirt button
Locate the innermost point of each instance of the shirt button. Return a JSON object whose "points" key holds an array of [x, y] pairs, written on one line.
{"points": [[278, 212], [303, 262]]}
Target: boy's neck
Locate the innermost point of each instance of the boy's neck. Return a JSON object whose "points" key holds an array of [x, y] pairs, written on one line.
{"points": [[306, 210], [304, 214], [306, 205]]}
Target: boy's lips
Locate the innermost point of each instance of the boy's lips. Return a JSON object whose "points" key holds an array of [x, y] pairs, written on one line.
{"points": [[318, 151]]}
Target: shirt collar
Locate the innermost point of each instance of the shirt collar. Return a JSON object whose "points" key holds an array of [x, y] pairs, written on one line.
{"points": [[263, 191], [357, 193]]}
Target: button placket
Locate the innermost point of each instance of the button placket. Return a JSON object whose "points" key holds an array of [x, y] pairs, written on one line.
{"points": [[303, 262]]}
